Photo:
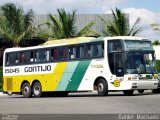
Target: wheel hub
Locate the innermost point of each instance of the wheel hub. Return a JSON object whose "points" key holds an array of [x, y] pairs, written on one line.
{"points": [[26, 89], [37, 90], [100, 87]]}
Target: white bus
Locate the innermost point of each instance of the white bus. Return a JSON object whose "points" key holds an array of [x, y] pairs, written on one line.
{"points": [[81, 64]]}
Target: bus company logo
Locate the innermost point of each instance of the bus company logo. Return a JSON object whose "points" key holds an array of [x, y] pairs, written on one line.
{"points": [[9, 117], [29, 69], [97, 66], [38, 68]]}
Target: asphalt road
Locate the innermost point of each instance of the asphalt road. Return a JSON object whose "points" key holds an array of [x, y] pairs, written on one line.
{"points": [[82, 103]]}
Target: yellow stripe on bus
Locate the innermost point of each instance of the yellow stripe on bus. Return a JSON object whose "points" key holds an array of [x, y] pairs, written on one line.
{"points": [[58, 73], [49, 81]]}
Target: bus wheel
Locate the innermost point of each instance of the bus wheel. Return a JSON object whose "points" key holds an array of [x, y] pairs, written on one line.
{"points": [[37, 89], [102, 87], [141, 91], [26, 90], [128, 92]]}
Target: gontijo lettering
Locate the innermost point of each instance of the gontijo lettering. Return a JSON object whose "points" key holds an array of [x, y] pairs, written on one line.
{"points": [[38, 68]]}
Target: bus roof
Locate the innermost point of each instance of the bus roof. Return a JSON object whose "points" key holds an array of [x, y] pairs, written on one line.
{"points": [[125, 38], [70, 41]]}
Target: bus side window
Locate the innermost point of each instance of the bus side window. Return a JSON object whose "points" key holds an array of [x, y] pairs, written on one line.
{"points": [[98, 50], [7, 59], [21, 57], [40, 55], [32, 57], [37, 56], [47, 53], [12, 58], [89, 50], [16, 58], [61, 53], [54, 54], [71, 53], [80, 52], [26, 56]]}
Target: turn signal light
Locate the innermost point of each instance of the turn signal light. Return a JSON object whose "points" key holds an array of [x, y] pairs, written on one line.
{"points": [[129, 78]]}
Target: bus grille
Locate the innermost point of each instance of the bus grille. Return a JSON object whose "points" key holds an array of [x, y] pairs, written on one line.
{"points": [[9, 84]]}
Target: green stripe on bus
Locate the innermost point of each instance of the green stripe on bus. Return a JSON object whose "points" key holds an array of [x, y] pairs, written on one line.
{"points": [[67, 75], [78, 75]]}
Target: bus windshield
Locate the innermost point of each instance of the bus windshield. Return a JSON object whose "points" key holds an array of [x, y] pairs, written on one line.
{"points": [[140, 63]]}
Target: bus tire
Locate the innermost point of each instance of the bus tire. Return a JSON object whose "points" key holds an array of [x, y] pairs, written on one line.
{"points": [[37, 89], [141, 91], [128, 92], [102, 87], [26, 90]]}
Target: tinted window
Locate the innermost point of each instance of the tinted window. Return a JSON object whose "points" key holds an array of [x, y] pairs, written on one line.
{"points": [[114, 45], [72, 52], [54, 54], [21, 57], [12, 58], [98, 50], [89, 50], [80, 52], [61, 53], [28, 56], [42, 55], [58, 54]]}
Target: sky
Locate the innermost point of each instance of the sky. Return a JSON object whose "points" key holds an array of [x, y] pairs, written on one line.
{"points": [[147, 10]]}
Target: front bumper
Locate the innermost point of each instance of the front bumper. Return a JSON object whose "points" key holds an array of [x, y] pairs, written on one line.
{"points": [[138, 84]]}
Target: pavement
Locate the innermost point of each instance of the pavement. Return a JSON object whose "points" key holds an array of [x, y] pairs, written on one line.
{"points": [[82, 103], [81, 106]]}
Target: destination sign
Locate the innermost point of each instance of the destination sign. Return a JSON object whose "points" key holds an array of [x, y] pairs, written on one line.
{"points": [[137, 45]]}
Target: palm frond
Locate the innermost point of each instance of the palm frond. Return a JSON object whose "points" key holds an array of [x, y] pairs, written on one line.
{"points": [[28, 20], [86, 29], [16, 22], [118, 26], [131, 31]]}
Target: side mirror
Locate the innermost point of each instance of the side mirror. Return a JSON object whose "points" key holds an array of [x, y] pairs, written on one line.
{"points": [[120, 71]]}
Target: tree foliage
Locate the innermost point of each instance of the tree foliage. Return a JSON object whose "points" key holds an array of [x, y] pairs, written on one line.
{"points": [[63, 25], [15, 23], [156, 42], [119, 26]]}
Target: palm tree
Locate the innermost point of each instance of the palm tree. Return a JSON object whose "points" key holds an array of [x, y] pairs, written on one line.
{"points": [[63, 25], [119, 25], [14, 23]]}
